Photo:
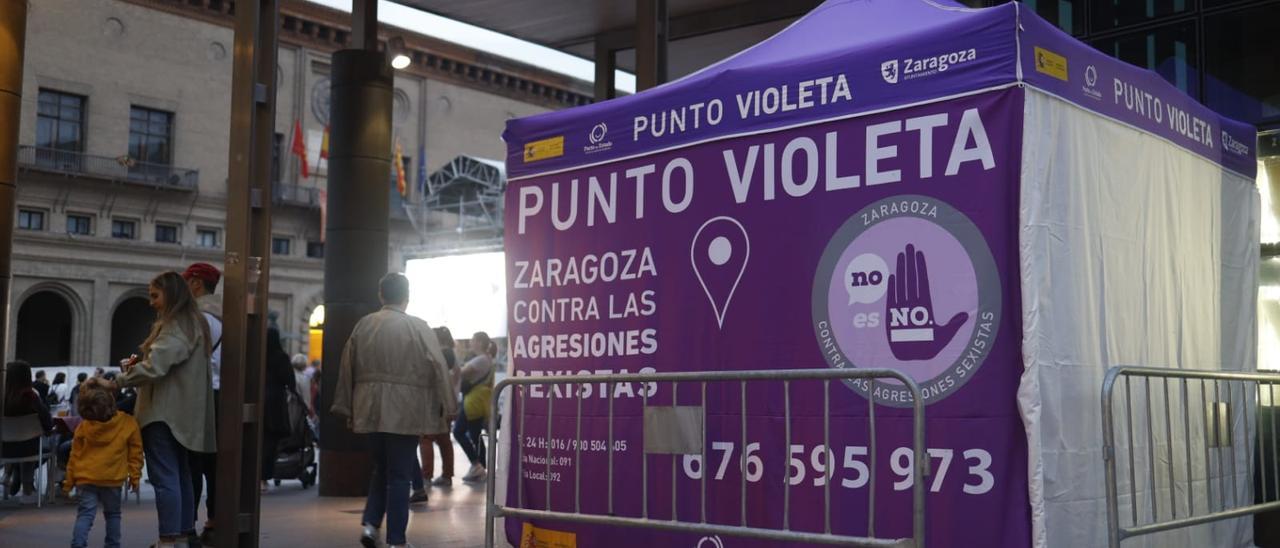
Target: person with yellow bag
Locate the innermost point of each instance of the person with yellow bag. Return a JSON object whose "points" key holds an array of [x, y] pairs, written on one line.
{"points": [[477, 391]]}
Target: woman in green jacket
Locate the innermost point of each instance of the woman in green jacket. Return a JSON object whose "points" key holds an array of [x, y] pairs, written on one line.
{"points": [[175, 402]]}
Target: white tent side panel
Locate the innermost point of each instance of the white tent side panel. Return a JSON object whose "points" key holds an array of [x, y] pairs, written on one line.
{"points": [[1133, 251]]}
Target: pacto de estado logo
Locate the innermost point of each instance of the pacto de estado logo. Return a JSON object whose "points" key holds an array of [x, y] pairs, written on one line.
{"points": [[596, 138], [908, 283]]}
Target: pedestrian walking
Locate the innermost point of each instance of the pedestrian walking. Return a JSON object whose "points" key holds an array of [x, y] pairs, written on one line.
{"points": [[278, 383], [392, 384], [477, 392], [442, 440]]}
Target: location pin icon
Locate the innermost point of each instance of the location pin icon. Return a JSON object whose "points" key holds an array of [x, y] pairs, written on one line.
{"points": [[719, 255]]}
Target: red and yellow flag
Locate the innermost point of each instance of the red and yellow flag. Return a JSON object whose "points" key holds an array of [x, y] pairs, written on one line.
{"points": [[324, 144], [300, 148], [400, 183]]}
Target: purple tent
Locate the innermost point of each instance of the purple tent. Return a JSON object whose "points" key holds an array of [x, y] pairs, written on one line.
{"points": [[969, 196]]}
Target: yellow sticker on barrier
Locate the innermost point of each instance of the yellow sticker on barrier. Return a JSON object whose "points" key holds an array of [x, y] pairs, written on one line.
{"points": [[1050, 63], [536, 537], [544, 149]]}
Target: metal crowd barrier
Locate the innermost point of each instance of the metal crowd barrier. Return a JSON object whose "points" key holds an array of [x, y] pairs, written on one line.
{"points": [[1206, 402], [495, 510]]}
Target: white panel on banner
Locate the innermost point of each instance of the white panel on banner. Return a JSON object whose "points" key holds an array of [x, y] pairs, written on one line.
{"points": [[1133, 252]]}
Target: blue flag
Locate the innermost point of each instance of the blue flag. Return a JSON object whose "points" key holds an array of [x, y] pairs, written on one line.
{"points": [[422, 170]]}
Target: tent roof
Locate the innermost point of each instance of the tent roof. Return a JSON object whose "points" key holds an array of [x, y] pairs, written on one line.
{"points": [[855, 56]]}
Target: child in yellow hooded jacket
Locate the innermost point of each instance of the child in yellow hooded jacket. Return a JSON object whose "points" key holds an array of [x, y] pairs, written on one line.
{"points": [[106, 452]]}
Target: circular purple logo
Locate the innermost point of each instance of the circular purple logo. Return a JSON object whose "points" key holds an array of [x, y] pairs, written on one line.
{"points": [[908, 283]]}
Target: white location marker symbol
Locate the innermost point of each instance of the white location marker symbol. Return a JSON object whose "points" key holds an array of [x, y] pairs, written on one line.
{"points": [[719, 255]]}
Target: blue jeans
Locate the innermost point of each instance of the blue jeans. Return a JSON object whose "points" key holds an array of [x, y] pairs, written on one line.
{"points": [[469, 436], [418, 482], [170, 472], [92, 496], [394, 457]]}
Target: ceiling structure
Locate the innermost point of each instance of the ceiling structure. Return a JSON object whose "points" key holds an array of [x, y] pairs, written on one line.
{"points": [[701, 32]]}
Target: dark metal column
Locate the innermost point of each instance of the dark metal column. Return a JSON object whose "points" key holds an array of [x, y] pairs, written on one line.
{"points": [[355, 242], [246, 272], [13, 32], [651, 43], [606, 69]]}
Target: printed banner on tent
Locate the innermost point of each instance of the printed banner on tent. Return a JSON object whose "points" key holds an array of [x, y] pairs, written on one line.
{"points": [[878, 241]]}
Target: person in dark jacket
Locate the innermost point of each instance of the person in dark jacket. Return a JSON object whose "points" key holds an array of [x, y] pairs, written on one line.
{"points": [[125, 397], [441, 440], [275, 411], [42, 386], [75, 394], [20, 400]]}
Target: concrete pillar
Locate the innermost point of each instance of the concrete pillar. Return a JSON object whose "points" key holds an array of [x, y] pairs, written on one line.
{"points": [[355, 242], [100, 312], [13, 36]]}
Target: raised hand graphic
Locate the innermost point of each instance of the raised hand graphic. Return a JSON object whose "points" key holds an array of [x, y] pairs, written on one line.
{"points": [[913, 333]]}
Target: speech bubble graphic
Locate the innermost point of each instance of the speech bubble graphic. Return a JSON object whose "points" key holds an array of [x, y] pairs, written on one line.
{"points": [[865, 277]]}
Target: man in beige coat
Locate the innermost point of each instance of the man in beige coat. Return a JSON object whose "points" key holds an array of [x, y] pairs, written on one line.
{"points": [[393, 386]]}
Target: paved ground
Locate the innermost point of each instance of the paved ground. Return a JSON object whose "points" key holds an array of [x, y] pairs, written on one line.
{"points": [[292, 517]]}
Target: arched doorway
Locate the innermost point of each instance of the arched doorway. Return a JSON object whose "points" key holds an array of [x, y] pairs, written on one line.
{"points": [[130, 325], [44, 330]]}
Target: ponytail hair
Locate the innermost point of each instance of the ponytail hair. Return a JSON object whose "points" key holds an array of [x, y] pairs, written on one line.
{"points": [[490, 348]]}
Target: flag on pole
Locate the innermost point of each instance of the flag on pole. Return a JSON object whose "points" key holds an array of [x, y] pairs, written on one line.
{"points": [[300, 148], [400, 182], [324, 144], [324, 211], [422, 170]]}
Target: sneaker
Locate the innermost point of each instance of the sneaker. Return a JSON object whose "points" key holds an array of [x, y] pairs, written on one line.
{"points": [[442, 481], [475, 474], [405, 545], [419, 495], [369, 536]]}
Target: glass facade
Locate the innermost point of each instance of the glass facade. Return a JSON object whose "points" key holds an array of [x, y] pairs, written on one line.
{"points": [[1111, 14], [1224, 53], [1170, 50]]}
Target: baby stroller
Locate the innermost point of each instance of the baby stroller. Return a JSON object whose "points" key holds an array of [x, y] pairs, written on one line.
{"points": [[296, 456]]}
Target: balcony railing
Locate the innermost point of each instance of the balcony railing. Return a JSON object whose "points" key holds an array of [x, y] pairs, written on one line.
{"points": [[295, 195], [122, 168]]}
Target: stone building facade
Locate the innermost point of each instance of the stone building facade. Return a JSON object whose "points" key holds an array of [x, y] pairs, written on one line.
{"points": [[123, 158]]}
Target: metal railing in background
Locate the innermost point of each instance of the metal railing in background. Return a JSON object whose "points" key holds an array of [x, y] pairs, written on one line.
{"points": [[608, 517], [120, 169], [1204, 403]]}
